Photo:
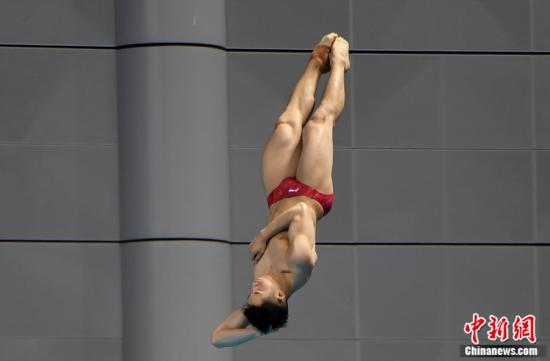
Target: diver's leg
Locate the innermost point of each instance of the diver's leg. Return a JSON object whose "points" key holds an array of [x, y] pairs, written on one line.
{"points": [[283, 148], [315, 164]]}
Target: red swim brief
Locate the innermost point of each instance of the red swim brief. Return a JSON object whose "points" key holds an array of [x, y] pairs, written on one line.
{"points": [[291, 187]]}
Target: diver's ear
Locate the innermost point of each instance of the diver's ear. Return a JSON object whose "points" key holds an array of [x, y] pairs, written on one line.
{"points": [[280, 296]]}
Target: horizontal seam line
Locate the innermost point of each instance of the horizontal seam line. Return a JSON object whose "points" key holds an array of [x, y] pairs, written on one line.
{"points": [[267, 50], [513, 244], [56, 144], [59, 338], [412, 148]]}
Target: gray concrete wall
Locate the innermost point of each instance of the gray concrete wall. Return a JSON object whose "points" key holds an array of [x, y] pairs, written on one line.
{"points": [[59, 222], [442, 173]]}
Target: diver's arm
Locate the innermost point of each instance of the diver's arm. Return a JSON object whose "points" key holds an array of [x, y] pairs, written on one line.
{"points": [[301, 238], [233, 331], [281, 222], [258, 245]]}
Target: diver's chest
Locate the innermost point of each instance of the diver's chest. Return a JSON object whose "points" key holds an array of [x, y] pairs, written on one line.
{"points": [[275, 255], [278, 245]]}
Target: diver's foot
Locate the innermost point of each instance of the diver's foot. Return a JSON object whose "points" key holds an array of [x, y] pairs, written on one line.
{"points": [[321, 51], [339, 53]]}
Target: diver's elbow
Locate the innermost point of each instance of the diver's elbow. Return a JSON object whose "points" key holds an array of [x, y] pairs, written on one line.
{"points": [[214, 340], [217, 344]]}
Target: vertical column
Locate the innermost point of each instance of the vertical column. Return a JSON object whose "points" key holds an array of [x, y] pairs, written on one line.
{"points": [[174, 178]]}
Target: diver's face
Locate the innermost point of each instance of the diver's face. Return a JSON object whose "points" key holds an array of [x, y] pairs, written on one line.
{"points": [[263, 289]]}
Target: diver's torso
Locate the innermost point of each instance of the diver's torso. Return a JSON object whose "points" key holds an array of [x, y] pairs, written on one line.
{"points": [[277, 256]]}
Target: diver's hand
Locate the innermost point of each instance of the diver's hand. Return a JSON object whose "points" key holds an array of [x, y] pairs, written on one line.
{"points": [[257, 247]]}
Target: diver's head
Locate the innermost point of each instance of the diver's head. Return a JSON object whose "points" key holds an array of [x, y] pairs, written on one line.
{"points": [[265, 288], [266, 306]]}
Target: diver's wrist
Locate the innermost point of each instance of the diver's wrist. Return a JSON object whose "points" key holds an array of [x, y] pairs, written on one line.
{"points": [[263, 235]]}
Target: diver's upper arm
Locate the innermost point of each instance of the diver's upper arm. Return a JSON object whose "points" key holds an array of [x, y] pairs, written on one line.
{"points": [[301, 236], [233, 331]]}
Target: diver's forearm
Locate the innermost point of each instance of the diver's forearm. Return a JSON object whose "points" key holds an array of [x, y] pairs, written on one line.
{"points": [[229, 337], [280, 223]]}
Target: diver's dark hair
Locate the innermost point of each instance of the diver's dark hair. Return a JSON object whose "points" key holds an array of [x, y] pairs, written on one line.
{"points": [[269, 316]]}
